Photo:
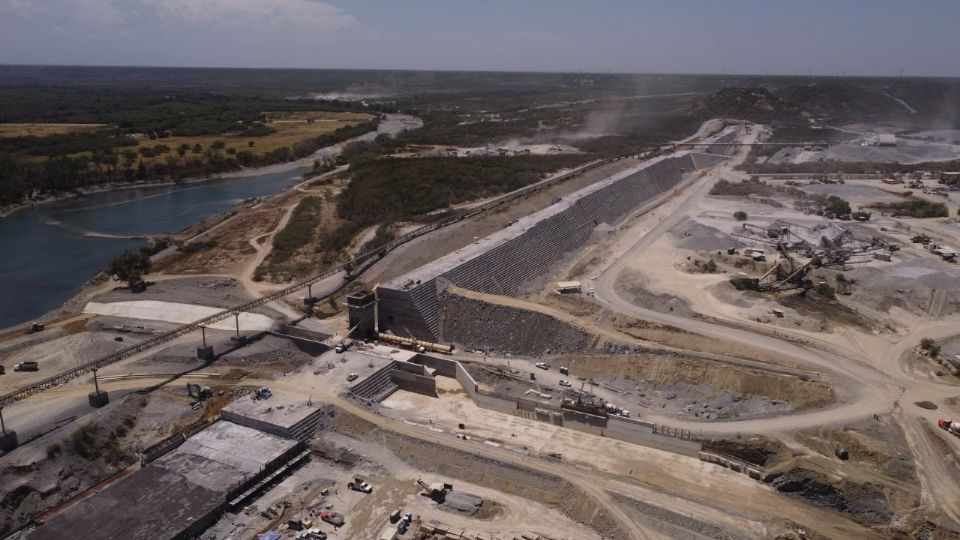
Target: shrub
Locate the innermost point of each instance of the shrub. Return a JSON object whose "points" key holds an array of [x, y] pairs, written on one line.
{"points": [[83, 441], [740, 215], [917, 208], [298, 231], [53, 450], [824, 289]]}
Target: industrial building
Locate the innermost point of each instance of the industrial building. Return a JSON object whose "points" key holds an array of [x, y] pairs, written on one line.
{"points": [[283, 415], [182, 493]]}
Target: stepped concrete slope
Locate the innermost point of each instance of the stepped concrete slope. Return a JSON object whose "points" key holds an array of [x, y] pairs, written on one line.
{"points": [[505, 261]]}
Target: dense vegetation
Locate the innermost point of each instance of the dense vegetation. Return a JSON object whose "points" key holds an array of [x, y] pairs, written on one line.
{"points": [[392, 190], [918, 208], [299, 230], [90, 159]]}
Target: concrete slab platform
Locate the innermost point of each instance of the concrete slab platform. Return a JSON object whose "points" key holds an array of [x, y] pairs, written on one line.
{"points": [[155, 310]]}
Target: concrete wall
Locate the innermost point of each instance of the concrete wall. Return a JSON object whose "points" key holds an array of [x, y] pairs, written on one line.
{"points": [[466, 381], [495, 404], [445, 367], [581, 421], [411, 382], [736, 465], [411, 307], [409, 313], [636, 432]]}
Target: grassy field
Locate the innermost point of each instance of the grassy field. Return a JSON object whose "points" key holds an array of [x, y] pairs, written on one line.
{"points": [[289, 128], [43, 130]]}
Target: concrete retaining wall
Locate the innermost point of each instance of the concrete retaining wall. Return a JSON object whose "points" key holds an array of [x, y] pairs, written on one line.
{"points": [[636, 432], [466, 381], [411, 382], [736, 465], [581, 421], [495, 404], [444, 367]]}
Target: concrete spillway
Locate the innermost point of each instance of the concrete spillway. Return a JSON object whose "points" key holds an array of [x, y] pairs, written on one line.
{"points": [[505, 261]]}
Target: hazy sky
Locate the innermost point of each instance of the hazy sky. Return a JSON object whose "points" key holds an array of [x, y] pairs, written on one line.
{"points": [[856, 37]]}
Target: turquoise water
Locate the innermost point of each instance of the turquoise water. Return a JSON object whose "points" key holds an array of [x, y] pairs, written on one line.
{"points": [[45, 259]]}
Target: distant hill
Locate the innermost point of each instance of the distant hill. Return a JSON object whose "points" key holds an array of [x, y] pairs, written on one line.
{"points": [[757, 103], [922, 103]]}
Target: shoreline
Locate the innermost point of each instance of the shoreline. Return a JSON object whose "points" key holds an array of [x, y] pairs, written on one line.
{"points": [[69, 306], [93, 190], [239, 173]]}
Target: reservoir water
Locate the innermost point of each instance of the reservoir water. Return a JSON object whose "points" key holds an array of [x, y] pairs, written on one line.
{"points": [[47, 253], [45, 257]]}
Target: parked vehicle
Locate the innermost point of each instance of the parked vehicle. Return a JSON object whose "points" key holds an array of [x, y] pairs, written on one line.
{"points": [[564, 370], [352, 377], [360, 485], [564, 382], [543, 365], [27, 366]]}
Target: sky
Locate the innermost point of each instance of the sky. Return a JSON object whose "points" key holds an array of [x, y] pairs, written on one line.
{"points": [[820, 37]]}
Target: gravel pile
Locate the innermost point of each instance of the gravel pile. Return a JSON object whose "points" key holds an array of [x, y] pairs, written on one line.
{"points": [[696, 236]]}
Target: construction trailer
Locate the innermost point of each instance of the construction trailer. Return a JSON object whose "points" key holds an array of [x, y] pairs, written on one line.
{"points": [[569, 287]]}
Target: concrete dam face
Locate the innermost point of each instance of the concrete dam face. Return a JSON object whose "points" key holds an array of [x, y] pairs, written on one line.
{"points": [[504, 262]]}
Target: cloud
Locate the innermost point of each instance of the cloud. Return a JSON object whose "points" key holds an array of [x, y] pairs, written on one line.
{"points": [[230, 13], [311, 13]]}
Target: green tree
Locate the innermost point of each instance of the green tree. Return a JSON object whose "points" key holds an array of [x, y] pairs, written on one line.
{"points": [[740, 215], [824, 289], [838, 206], [129, 267]]}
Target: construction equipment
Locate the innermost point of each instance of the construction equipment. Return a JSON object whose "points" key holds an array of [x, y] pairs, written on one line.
{"points": [[437, 491], [199, 391], [333, 518], [343, 343], [419, 345], [360, 485], [951, 426], [263, 392]]}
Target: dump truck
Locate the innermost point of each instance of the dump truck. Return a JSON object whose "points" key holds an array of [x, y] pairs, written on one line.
{"points": [[950, 425]]}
